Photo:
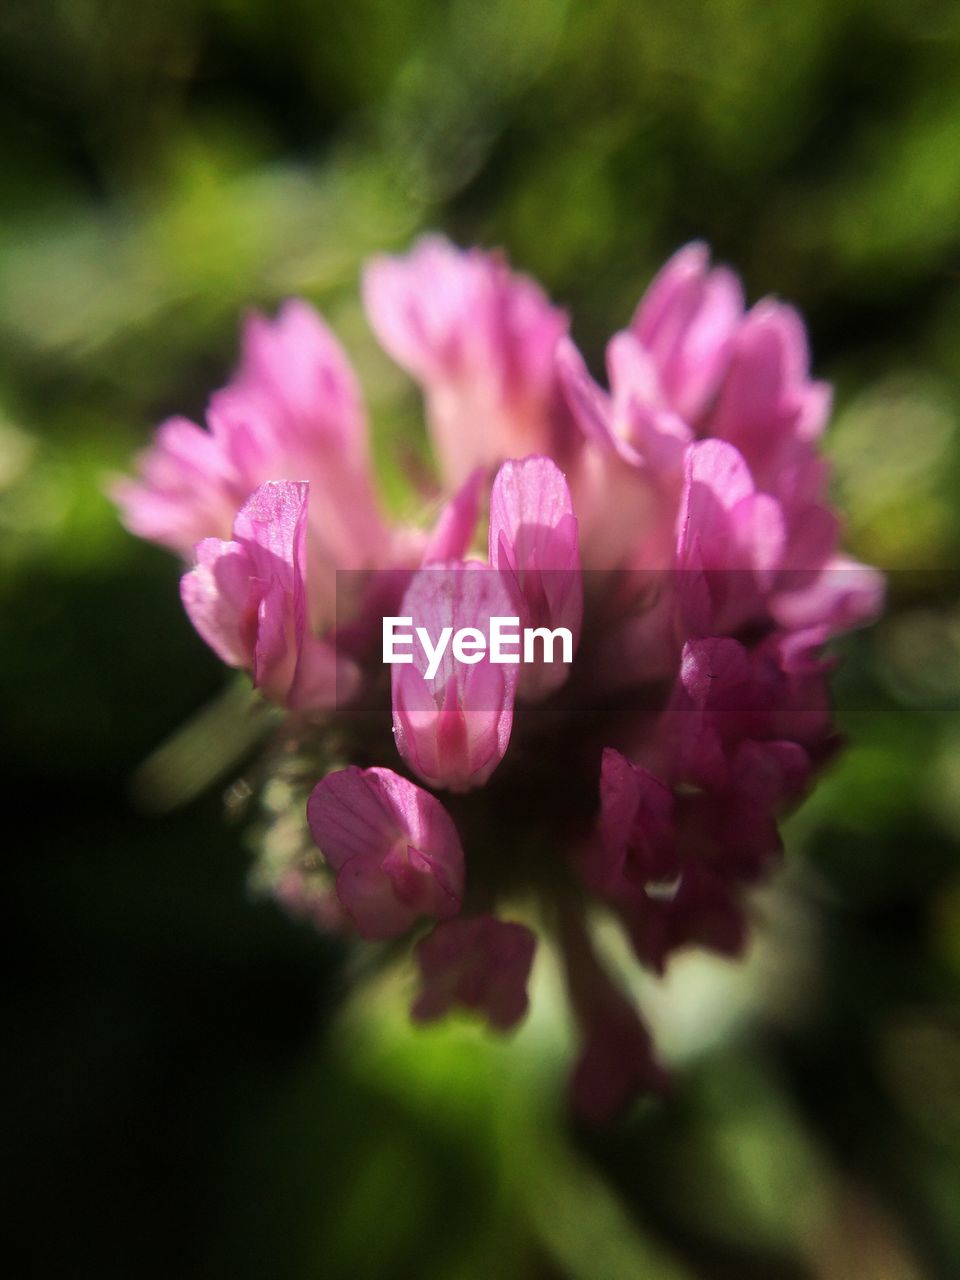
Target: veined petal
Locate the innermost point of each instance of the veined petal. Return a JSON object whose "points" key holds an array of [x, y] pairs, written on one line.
{"points": [[294, 411], [221, 601], [717, 479], [452, 728], [730, 541], [247, 599], [534, 544], [393, 845]]}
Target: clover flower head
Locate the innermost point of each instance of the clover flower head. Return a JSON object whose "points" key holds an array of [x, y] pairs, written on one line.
{"points": [[673, 525]]}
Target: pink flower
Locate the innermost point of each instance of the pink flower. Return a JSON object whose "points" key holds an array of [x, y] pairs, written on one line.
{"points": [[393, 846], [292, 412], [480, 340], [295, 404], [675, 523], [478, 963], [666, 369], [452, 727], [247, 599]]}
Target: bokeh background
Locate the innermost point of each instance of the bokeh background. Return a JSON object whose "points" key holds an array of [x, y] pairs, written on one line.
{"points": [[190, 1090]]}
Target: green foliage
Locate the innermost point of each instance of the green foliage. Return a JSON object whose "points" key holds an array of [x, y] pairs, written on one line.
{"points": [[165, 167]]}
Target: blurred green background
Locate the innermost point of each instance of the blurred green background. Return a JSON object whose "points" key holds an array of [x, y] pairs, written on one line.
{"points": [[190, 1091]]}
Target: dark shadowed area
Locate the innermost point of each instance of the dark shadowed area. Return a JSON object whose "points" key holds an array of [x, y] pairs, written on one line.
{"points": [[190, 1090]]}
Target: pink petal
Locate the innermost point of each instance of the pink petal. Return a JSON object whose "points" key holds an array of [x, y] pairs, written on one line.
{"points": [[768, 407], [616, 1064], [453, 729], [188, 488], [591, 406], [395, 849], [533, 543], [247, 597], [369, 899], [294, 412], [687, 321], [481, 342], [717, 479], [616, 1059], [703, 912], [758, 528], [324, 678], [480, 963], [730, 541], [706, 710], [843, 595], [220, 600], [642, 415], [637, 841], [272, 528], [296, 366], [454, 530]]}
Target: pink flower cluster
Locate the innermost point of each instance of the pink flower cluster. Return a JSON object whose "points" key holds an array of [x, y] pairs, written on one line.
{"points": [[676, 523]]}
